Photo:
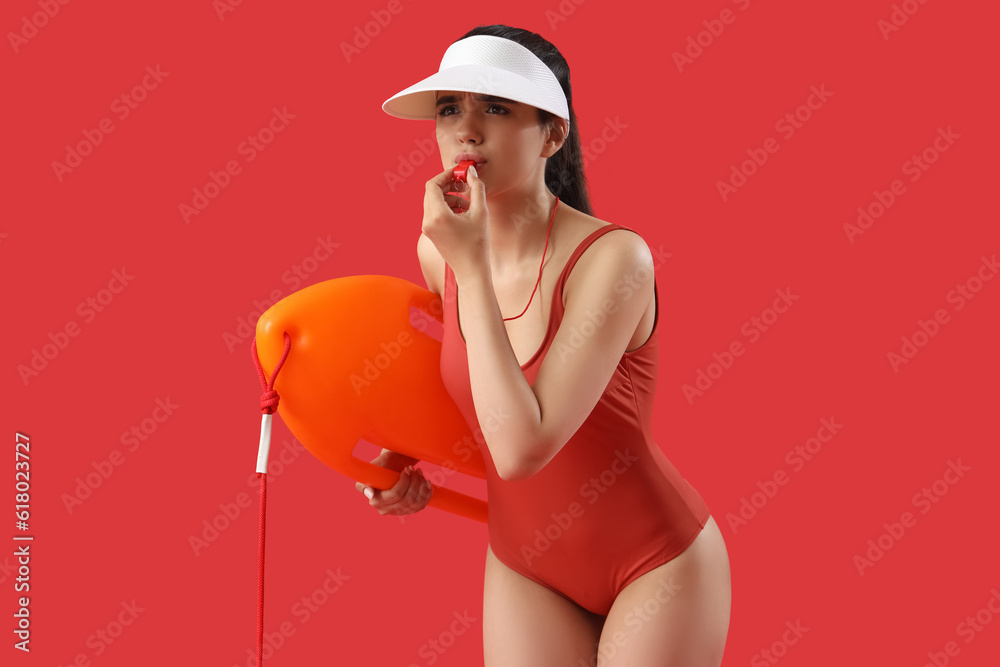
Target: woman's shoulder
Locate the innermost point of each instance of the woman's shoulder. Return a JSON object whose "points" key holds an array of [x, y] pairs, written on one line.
{"points": [[583, 226], [619, 251]]}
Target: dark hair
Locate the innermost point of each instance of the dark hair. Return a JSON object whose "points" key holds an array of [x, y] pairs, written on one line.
{"points": [[564, 170]]}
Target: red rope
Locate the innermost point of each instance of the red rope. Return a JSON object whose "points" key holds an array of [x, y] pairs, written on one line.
{"points": [[543, 256], [540, 265], [268, 405], [269, 401], [260, 573]]}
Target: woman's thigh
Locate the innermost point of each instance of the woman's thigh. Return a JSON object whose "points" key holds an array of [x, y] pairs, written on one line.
{"points": [[527, 625], [676, 614]]}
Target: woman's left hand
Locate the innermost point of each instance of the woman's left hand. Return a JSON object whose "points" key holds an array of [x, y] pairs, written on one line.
{"points": [[462, 238]]}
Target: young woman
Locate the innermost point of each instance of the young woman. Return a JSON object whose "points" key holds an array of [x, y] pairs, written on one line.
{"points": [[600, 552]]}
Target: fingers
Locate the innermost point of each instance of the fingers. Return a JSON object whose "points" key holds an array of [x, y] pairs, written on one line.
{"points": [[444, 178], [446, 183], [397, 492], [395, 461], [410, 494], [436, 199], [360, 487], [423, 489], [476, 189], [472, 176]]}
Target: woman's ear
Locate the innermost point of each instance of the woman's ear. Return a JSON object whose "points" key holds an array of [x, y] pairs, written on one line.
{"points": [[555, 136]]}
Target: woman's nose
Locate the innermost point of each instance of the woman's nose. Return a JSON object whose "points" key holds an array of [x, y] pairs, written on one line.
{"points": [[468, 129]]}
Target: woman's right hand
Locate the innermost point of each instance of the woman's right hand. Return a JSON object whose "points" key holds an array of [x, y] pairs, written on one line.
{"points": [[409, 495]]}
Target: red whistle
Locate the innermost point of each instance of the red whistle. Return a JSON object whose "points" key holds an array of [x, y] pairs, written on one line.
{"points": [[460, 177], [461, 169]]}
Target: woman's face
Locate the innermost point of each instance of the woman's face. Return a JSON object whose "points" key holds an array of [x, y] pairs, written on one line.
{"points": [[503, 133]]}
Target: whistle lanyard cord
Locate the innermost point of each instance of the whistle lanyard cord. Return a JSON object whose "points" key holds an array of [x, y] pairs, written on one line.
{"points": [[268, 405], [543, 256], [260, 572]]}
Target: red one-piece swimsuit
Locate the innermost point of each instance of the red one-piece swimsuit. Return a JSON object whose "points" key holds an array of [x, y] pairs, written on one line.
{"points": [[609, 506]]}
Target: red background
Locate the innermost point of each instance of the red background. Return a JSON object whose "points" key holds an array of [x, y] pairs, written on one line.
{"points": [[325, 176]]}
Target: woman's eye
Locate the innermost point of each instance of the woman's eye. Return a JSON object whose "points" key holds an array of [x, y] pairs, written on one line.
{"points": [[444, 110]]}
